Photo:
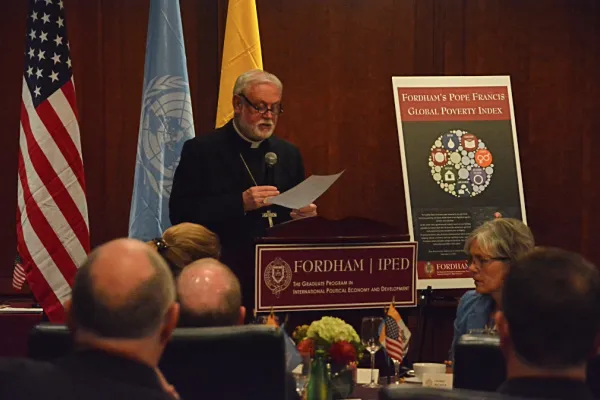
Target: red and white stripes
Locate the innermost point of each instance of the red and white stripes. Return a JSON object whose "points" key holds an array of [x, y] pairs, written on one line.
{"points": [[52, 216]]}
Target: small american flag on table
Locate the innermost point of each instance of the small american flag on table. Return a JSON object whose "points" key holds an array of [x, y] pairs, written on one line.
{"points": [[395, 335]]}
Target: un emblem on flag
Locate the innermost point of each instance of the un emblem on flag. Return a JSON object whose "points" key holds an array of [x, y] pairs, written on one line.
{"points": [[167, 122], [278, 276]]}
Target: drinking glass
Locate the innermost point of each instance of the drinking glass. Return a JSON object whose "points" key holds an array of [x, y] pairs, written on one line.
{"points": [[302, 374], [369, 335]]}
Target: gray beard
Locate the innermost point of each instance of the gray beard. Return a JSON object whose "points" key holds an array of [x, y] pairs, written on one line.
{"points": [[253, 132]]}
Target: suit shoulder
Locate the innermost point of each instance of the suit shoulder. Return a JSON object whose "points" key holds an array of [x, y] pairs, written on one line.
{"points": [[24, 364], [20, 370], [216, 136]]}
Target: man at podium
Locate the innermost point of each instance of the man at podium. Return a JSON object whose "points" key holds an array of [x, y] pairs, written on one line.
{"points": [[225, 178]]}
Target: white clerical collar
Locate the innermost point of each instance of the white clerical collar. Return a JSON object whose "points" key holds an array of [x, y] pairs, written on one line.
{"points": [[253, 144]]}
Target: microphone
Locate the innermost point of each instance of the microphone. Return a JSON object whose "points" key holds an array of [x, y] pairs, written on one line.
{"points": [[270, 161]]}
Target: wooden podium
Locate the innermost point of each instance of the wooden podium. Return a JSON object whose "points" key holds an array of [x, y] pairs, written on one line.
{"points": [[353, 230], [347, 230]]}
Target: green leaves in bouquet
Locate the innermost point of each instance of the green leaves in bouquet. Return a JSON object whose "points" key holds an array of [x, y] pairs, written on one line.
{"points": [[299, 333]]}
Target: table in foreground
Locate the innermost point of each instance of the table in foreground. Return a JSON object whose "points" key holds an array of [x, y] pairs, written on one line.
{"points": [[364, 393]]}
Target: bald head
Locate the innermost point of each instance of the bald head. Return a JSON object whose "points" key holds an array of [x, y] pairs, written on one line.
{"points": [[123, 290], [209, 295]]}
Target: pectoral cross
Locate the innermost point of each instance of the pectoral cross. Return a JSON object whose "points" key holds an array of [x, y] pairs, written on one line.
{"points": [[269, 214]]}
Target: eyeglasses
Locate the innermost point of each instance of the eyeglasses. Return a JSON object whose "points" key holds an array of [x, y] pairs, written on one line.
{"points": [[275, 109], [481, 262]]}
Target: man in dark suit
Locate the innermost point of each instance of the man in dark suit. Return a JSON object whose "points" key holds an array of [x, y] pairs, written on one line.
{"points": [[550, 325], [122, 314], [225, 178]]}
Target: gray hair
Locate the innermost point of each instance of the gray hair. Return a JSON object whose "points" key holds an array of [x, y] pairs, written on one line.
{"points": [[502, 237], [255, 77], [138, 316]]}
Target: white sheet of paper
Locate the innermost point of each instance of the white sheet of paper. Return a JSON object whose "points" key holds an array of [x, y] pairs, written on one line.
{"points": [[305, 192], [363, 375]]}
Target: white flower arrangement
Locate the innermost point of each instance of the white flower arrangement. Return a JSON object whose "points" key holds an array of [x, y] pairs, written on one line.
{"points": [[331, 330]]}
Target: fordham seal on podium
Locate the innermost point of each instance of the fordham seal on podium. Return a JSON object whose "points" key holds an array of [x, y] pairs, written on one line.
{"points": [[278, 276]]}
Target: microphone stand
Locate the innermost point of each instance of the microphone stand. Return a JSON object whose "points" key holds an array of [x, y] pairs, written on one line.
{"points": [[424, 300]]}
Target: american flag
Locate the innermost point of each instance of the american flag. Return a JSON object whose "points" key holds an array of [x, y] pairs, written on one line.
{"points": [[52, 218], [395, 335], [393, 342], [19, 276]]}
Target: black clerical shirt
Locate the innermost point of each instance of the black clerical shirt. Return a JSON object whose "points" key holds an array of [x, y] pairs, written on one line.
{"points": [[208, 186]]}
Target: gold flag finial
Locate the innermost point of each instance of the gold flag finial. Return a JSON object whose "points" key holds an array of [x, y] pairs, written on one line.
{"points": [[271, 319]]}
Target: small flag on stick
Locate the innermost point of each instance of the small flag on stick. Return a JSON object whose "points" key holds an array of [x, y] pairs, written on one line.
{"points": [[395, 335]]}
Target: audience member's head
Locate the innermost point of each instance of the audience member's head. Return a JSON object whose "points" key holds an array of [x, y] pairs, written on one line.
{"points": [[185, 243], [209, 295], [123, 301], [492, 248], [551, 314]]}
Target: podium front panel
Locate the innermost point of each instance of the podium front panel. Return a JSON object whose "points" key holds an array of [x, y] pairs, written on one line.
{"points": [[299, 277]]}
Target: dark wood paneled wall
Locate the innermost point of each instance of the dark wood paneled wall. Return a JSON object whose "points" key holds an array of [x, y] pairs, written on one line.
{"points": [[336, 59]]}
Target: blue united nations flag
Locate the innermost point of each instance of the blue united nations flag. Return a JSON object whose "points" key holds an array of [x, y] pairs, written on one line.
{"points": [[166, 121]]}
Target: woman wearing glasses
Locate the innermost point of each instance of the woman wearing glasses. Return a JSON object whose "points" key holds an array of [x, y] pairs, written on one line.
{"points": [[491, 248]]}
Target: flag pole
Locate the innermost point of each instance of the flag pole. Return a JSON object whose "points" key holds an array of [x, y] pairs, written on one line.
{"points": [[422, 321]]}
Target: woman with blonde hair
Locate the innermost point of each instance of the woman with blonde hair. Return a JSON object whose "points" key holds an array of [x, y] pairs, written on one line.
{"points": [[185, 243]]}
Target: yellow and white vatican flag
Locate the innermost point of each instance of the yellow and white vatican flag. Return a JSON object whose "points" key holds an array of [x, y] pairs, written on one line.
{"points": [[241, 52]]}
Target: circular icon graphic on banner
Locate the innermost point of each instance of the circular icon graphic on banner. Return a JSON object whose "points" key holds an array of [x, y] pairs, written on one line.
{"points": [[461, 164], [439, 157]]}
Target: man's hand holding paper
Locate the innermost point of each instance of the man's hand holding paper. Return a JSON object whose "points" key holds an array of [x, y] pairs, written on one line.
{"points": [[304, 212], [258, 196]]}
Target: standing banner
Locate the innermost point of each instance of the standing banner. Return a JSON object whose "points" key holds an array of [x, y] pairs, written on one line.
{"points": [[460, 160]]}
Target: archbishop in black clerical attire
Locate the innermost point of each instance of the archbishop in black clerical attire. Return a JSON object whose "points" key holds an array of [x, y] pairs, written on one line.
{"points": [[224, 181]]}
